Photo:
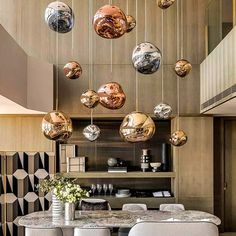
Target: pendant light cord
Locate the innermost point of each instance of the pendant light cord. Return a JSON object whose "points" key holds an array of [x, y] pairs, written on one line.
{"points": [[111, 56], [162, 48], [136, 72], [90, 49], [57, 69], [145, 20]]}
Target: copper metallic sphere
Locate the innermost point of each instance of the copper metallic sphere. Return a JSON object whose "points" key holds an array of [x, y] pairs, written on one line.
{"points": [[110, 22], [146, 58], [178, 138], [131, 23], [137, 127], [59, 17], [182, 67], [111, 96], [57, 126], [91, 132], [163, 111], [164, 4], [72, 70], [90, 99]]}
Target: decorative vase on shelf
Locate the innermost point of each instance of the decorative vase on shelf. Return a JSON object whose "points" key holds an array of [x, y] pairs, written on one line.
{"points": [[69, 211], [57, 207]]}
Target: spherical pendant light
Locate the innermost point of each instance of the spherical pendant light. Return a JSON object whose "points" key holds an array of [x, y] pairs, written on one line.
{"points": [[137, 127], [91, 132], [178, 138], [89, 98], [72, 70], [59, 17], [164, 4], [131, 23], [182, 67], [110, 22], [57, 126], [111, 95], [146, 58], [163, 111]]}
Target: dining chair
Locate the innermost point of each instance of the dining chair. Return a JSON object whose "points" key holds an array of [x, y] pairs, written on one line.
{"points": [[174, 228], [171, 207], [92, 232], [93, 204], [130, 207], [44, 232]]}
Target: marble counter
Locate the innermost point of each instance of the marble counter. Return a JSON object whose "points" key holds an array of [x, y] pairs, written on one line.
{"points": [[113, 218]]}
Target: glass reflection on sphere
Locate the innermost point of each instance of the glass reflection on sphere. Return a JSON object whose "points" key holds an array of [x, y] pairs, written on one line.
{"points": [[164, 4], [110, 22], [72, 70], [182, 67], [57, 126], [137, 127], [59, 17], [89, 99], [178, 138], [91, 132], [146, 58], [163, 111], [112, 95], [131, 23]]}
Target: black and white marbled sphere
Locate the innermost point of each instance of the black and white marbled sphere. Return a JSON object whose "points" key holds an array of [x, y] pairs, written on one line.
{"points": [[146, 58], [91, 132], [59, 17]]}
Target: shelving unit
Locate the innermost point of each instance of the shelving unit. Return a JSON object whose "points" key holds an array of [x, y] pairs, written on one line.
{"points": [[133, 174]]}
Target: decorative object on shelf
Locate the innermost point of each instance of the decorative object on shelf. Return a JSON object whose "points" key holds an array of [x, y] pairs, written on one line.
{"points": [[110, 22], [145, 159], [131, 23], [72, 70], [163, 111], [89, 99], [164, 4], [182, 68], [165, 157], [76, 164], [178, 138], [123, 193], [112, 162], [137, 127], [57, 126], [66, 150], [54, 185], [155, 166], [70, 194], [146, 58], [59, 17], [112, 95], [91, 132]]}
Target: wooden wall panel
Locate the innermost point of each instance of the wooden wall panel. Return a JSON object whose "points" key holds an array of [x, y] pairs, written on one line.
{"points": [[194, 163], [23, 133], [27, 26]]}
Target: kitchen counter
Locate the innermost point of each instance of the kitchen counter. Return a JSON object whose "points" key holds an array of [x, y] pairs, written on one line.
{"points": [[113, 219]]}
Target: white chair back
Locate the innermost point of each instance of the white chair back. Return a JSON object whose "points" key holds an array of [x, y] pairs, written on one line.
{"points": [[44, 232], [134, 207], [172, 207], [95, 200], [92, 232], [174, 228]]}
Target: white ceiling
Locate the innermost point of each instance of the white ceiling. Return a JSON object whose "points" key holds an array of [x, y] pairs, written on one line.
{"points": [[227, 108], [9, 107]]}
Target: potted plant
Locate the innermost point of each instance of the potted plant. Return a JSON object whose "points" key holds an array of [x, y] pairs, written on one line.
{"points": [[53, 185], [70, 194]]}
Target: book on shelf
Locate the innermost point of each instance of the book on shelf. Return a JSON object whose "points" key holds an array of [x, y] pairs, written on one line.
{"points": [[117, 169]]}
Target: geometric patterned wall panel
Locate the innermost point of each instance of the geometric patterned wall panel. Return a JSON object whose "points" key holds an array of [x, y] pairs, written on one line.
{"points": [[23, 171]]}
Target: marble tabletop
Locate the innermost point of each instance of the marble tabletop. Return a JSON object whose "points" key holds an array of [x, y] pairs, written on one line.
{"points": [[112, 219]]}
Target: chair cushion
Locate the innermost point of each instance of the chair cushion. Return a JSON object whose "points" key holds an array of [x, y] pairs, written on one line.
{"points": [[93, 206]]}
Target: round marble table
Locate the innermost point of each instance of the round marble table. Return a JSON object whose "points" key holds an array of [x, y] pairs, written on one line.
{"points": [[113, 219]]}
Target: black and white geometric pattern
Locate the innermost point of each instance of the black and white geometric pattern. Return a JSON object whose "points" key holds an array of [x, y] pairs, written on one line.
{"points": [[20, 172]]}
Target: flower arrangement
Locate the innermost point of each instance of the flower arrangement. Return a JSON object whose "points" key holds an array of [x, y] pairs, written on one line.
{"points": [[70, 193]]}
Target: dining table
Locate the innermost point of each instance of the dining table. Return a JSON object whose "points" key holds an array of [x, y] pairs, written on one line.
{"points": [[113, 218]]}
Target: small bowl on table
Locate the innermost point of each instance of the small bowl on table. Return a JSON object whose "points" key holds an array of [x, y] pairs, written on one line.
{"points": [[155, 166]]}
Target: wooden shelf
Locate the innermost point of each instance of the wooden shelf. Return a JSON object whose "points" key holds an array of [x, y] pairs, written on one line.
{"points": [[151, 202], [132, 174]]}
